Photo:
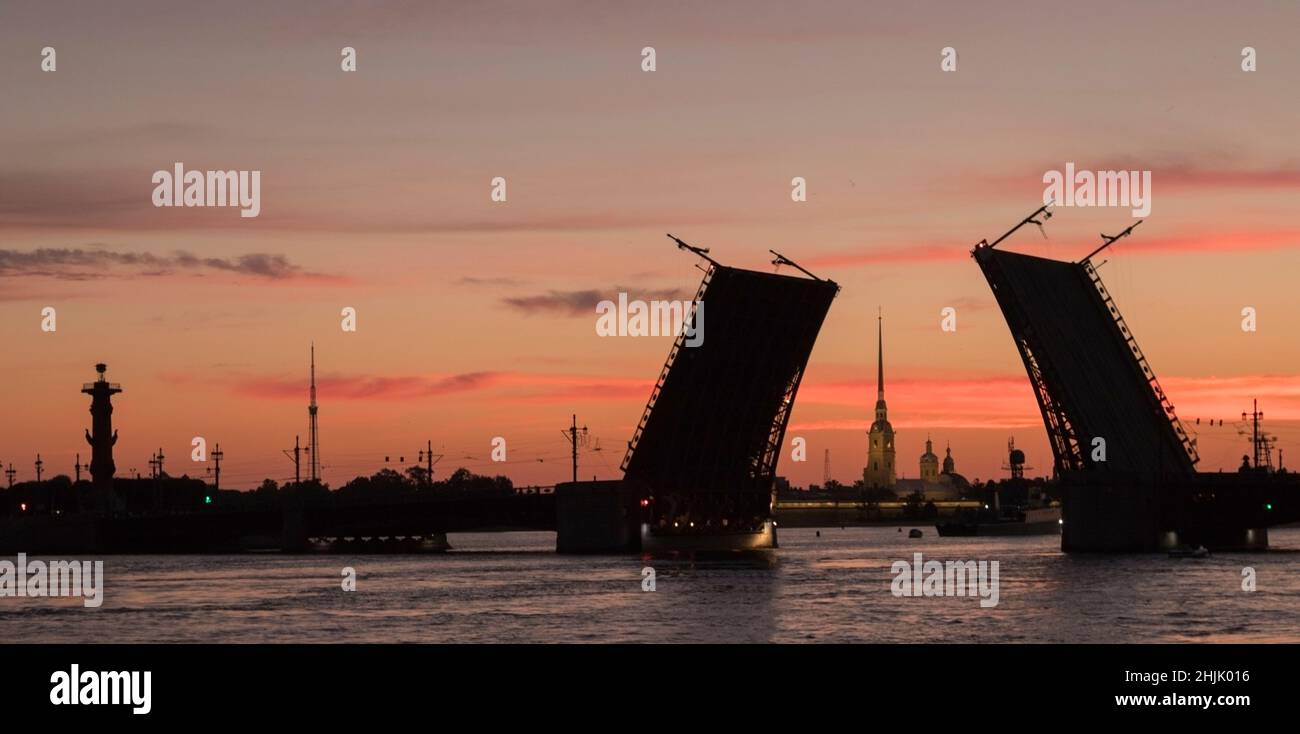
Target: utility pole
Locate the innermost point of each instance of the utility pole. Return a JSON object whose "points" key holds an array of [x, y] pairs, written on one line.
{"points": [[826, 469], [156, 465], [153, 466], [575, 435], [39, 464], [295, 457], [78, 467], [1255, 442], [426, 455], [10, 473], [216, 470]]}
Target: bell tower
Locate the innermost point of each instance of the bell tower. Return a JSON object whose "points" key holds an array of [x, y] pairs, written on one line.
{"points": [[879, 471]]}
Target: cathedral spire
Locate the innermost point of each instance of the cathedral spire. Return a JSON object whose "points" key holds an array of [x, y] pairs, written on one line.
{"points": [[879, 471], [880, 358], [882, 414]]}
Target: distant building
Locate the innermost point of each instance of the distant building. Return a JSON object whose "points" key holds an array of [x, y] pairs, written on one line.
{"points": [[879, 472], [935, 485]]}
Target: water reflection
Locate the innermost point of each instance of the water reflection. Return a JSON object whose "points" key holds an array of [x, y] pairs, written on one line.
{"points": [[833, 586]]}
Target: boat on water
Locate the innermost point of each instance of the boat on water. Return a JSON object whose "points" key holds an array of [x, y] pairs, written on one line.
{"points": [[1029, 521]]}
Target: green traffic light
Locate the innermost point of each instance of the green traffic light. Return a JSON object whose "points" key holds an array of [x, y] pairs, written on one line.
{"points": [[207, 499], [1268, 506]]}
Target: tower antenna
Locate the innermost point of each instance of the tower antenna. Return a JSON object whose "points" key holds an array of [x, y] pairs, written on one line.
{"points": [[313, 439]]}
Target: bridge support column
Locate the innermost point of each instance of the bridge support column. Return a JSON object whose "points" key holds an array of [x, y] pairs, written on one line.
{"points": [[293, 532], [596, 517], [1109, 518]]}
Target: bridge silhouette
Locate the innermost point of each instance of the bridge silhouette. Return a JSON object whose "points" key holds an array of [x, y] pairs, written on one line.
{"points": [[292, 524], [1125, 461], [701, 464], [699, 474]]}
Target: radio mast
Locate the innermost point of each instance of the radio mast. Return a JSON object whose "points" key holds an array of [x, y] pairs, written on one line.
{"points": [[313, 440]]}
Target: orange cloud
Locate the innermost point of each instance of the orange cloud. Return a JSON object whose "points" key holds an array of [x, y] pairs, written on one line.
{"points": [[1238, 241], [1006, 401], [518, 387], [348, 387]]}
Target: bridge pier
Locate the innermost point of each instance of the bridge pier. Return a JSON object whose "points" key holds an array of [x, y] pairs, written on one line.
{"points": [[1109, 518], [1126, 517], [293, 531], [597, 517]]}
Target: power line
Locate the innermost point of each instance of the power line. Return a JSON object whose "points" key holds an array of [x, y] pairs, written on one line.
{"points": [[575, 436]]}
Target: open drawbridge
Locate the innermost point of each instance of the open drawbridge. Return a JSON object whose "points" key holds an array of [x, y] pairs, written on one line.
{"points": [[1127, 465], [706, 447]]}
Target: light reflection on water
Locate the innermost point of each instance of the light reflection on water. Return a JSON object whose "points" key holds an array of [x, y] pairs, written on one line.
{"points": [[512, 587]]}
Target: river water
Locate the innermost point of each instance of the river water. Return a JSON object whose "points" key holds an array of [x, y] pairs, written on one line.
{"points": [[832, 587]]}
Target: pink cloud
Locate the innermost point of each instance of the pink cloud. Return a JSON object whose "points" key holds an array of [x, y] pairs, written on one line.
{"points": [[1238, 241], [357, 387], [514, 387]]}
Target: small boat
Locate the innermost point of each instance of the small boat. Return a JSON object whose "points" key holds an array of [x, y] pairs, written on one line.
{"points": [[1199, 551], [914, 533]]}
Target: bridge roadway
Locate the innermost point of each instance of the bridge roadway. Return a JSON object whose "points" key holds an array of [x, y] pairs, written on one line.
{"points": [[418, 515], [288, 526]]}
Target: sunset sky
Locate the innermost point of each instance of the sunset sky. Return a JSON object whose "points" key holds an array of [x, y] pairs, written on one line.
{"points": [[476, 319]]}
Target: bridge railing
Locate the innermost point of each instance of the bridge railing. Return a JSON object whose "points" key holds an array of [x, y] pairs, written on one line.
{"points": [[1189, 445], [678, 344]]}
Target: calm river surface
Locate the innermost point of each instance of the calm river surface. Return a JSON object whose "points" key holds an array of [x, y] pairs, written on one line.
{"points": [[512, 587]]}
